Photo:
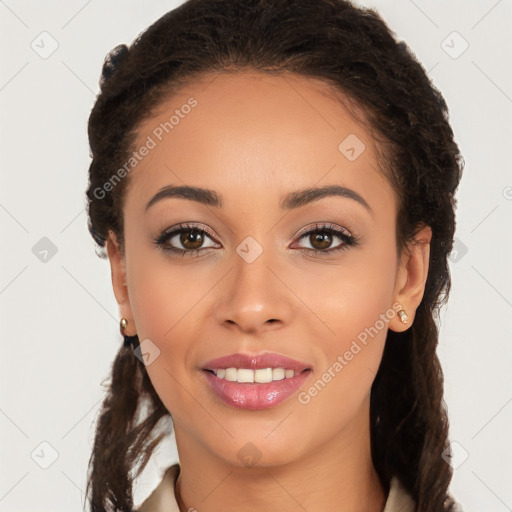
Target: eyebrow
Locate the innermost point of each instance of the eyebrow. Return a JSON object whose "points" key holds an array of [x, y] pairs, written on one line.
{"points": [[291, 201]]}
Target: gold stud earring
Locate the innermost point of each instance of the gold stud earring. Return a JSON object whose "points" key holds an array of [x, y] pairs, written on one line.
{"points": [[128, 340], [404, 317]]}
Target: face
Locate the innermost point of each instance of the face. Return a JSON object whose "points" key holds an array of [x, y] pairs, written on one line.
{"points": [[260, 267]]}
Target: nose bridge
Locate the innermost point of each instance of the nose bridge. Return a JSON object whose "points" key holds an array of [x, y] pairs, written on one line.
{"points": [[253, 297]]}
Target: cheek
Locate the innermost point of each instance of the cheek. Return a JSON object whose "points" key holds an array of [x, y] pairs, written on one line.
{"points": [[352, 296], [164, 303], [339, 390], [366, 304], [163, 296], [355, 302]]}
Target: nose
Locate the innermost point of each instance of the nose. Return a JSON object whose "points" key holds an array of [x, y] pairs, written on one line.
{"points": [[254, 297]]}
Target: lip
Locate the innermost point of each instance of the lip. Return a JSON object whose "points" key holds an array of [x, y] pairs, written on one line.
{"points": [[256, 361], [245, 395]]}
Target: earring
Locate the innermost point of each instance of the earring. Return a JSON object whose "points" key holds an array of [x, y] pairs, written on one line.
{"points": [[404, 317], [128, 340]]}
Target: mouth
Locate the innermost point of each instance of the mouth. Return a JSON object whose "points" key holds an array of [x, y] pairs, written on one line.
{"points": [[253, 395], [255, 381]]}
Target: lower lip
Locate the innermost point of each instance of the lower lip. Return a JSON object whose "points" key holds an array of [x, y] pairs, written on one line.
{"points": [[255, 396]]}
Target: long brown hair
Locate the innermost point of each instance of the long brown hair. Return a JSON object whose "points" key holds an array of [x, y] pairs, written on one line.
{"points": [[353, 50]]}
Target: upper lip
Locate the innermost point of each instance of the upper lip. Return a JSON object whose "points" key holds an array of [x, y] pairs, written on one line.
{"points": [[256, 361]]}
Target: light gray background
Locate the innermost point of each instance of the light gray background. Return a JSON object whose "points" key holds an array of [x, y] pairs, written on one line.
{"points": [[59, 318]]}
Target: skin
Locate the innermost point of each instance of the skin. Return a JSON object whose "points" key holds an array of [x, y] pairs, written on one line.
{"points": [[254, 138]]}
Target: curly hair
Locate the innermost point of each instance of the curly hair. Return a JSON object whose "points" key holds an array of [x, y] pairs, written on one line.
{"points": [[354, 51]]}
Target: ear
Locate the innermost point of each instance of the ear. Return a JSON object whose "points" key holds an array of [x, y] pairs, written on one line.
{"points": [[411, 277], [118, 274]]}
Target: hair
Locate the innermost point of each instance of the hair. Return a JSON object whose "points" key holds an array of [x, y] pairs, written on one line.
{"points": [[353, 50]]}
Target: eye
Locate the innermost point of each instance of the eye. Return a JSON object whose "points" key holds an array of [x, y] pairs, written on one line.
{"points": [[321, 238], [190, 237]]}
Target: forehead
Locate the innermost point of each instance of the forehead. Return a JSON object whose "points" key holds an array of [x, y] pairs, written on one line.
{"points": [[253, 132]]}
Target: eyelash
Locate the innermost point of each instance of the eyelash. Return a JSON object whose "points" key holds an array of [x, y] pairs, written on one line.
{"points": [[348, 239]]}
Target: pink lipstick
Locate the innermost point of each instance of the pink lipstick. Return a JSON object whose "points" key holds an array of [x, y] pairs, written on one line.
{"points": [[258, 381]]}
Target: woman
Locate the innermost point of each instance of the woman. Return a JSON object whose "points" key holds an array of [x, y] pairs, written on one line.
{"points": [[274, 185]]}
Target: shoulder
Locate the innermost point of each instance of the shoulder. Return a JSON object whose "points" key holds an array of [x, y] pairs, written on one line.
{"points": [[162, 499], [399, 500]]}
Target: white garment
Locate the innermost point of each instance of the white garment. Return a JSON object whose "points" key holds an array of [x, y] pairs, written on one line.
{"points": [[162, 499]]}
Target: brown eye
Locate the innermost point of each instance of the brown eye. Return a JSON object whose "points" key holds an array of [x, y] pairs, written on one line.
{"points": [[320, 240], [186, 240], [192, 239], [322, 237]]}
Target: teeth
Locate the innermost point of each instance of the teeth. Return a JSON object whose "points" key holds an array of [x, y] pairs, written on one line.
{"points": [[231, 374], [243, 375], [261, 376], [279, 373]]}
